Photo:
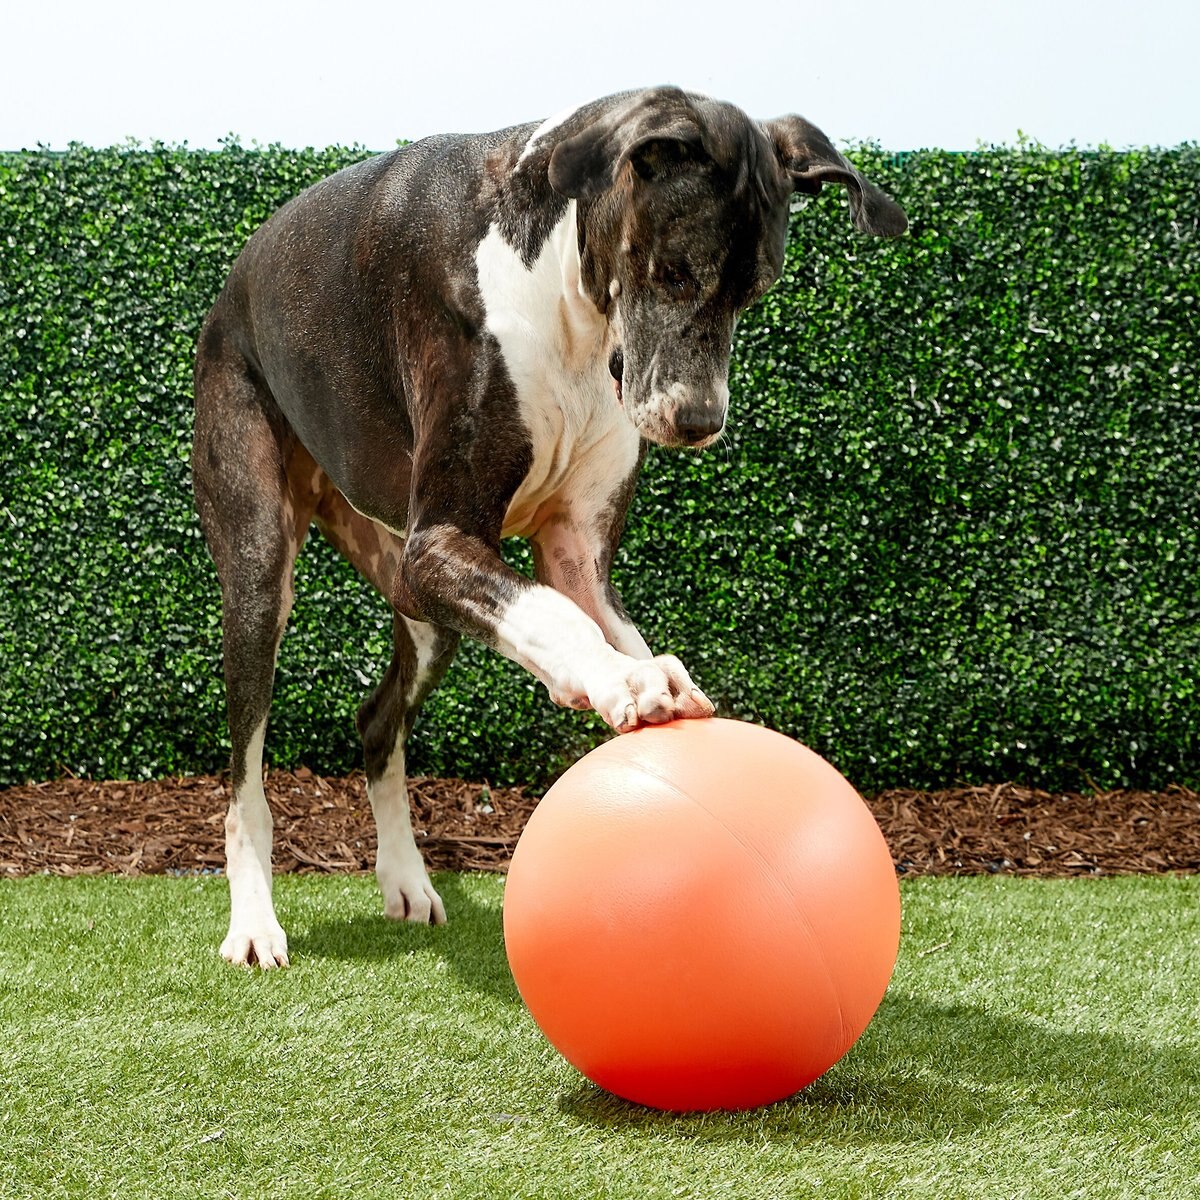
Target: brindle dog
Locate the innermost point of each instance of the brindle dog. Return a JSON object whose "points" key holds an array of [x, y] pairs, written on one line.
{"points": [[463, 340]]}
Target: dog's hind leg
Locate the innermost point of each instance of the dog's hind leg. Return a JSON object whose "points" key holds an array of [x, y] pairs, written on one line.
{"points": [[253, 489], [420, 655]]}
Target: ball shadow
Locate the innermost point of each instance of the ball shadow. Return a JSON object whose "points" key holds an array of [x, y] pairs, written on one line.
{"points": [[924, 1072]]}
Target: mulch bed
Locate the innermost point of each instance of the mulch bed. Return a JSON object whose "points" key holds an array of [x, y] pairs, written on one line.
{"points": [[84, 827]]}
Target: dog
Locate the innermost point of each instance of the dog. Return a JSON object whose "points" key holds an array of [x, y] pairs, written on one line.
{"points": [[467, 339]]}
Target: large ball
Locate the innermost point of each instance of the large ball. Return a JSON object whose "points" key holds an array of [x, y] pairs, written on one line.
{"points": [[702, 915]]}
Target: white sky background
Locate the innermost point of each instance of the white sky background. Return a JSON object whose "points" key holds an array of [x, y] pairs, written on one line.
{"points": [[946, 73]]}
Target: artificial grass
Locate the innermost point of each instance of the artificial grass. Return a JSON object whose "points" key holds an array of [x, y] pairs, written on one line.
{"points": [[1039, 1039]]}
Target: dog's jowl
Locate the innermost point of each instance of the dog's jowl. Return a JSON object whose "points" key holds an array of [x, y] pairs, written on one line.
{"points": [[466, 339]]}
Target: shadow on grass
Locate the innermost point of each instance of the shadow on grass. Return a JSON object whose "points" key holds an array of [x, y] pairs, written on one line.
{"points": [[924, 1072], [472, 943]]}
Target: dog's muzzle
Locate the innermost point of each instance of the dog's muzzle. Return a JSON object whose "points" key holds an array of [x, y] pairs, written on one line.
{"points": [[674, 417]]}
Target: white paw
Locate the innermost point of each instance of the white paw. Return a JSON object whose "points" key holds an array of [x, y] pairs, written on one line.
{"points": [[266, 946], [648, 692], [409, 896]]}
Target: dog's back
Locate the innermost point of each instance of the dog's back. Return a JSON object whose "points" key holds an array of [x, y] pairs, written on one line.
{"points": [[380, 252]]}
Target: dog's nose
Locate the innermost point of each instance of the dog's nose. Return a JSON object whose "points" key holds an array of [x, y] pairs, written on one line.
{"points": [[699, 425]]}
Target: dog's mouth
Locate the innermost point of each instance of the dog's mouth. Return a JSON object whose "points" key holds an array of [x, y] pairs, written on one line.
{"points": [[616, 368]]}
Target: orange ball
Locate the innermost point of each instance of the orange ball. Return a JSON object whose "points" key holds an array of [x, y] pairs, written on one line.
{"points": [[702, 915]]}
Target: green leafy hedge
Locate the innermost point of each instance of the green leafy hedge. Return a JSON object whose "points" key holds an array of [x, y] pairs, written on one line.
{"points": [[952, 533]]}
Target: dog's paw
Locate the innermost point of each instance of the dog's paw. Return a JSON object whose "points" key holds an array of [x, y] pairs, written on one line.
{"points": [[650, 692], [410, 896], [266, 947]]}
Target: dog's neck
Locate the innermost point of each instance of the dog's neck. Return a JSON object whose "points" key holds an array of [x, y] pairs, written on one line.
{"points": [[584, 311]]}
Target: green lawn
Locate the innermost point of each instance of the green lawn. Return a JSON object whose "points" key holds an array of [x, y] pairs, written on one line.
{"points": [[1039, 1039]]}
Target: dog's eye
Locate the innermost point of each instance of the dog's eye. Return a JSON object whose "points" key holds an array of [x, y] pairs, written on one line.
{"points": [[676, 278]]}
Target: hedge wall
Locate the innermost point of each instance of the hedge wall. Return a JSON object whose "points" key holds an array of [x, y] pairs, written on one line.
{"points": [[951, 535]]}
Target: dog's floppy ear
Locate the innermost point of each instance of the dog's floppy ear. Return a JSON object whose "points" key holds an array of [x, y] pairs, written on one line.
{"points": [[656, 131], [809, 158]]}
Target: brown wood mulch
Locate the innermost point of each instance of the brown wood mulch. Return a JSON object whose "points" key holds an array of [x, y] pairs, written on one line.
{"points": [[84, 827]]}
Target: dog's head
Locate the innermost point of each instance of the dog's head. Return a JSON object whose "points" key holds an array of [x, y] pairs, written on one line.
{"points": [[683, 205]]}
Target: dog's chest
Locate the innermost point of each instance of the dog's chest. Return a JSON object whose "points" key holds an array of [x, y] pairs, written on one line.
{"points": [[555, 347]]}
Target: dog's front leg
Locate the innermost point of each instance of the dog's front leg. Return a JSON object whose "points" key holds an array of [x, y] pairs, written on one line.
{"points": [[571, 653], [456, 577], [573, 555]]}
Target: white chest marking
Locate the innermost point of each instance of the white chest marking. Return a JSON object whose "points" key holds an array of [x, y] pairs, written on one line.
{"points": [[555, 345]]}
